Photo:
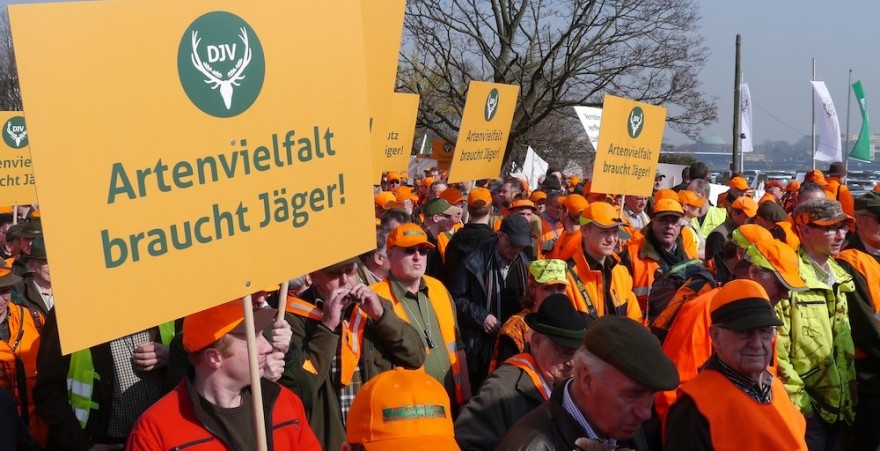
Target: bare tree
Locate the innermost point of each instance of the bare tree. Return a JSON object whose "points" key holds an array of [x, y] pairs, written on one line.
{"points": [[561, 53], [10, 92]]}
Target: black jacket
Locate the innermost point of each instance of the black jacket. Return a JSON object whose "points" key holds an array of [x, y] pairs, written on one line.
{"points": [[463, 242]]}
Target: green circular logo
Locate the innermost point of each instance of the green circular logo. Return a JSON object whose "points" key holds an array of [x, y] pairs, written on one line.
{"points": [[491, 105], [221, 64], [635, 123], [15, 133]]}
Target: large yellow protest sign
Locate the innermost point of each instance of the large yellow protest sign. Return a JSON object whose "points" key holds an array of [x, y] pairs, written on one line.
{"points": [[16, 175], [485, 128], [191, 153], [630, 136], [399, 133], [442, 151], [383, 27]]}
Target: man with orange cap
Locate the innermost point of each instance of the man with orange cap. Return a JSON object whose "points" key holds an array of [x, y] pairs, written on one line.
{"points": [[736, 379], [472, 234], [212, 405], [739, 212], [710, 216], [570, 238]]}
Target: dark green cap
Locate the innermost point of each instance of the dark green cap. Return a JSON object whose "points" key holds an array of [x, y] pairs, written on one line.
{"points": [[14, 231], [628, 346], [870, 202], [38, 250], [32, 228]]}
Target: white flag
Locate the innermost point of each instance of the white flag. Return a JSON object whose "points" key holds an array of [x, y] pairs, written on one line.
{"points": [[534, 167], [591, 118], [828, 146], [745, 112]]}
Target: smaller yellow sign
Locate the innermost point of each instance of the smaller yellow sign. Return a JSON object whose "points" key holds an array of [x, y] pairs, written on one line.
{"points": [[395, 152], [442, 151], [16, 175], [630, 137], [485, 128], [383, 27]]}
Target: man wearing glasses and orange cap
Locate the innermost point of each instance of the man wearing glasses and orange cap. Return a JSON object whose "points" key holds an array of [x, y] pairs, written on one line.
{"points": [[815, 343], [735, 381]]}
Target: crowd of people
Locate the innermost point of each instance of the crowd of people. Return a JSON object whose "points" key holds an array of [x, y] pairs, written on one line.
{"points": [[489, 316]]}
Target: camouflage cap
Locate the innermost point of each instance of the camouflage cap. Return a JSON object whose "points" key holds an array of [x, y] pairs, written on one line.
{"points": [[821, 212]]}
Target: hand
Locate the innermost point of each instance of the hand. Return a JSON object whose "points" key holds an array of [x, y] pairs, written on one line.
{"points": [[105, 447], [149, 356], [369, 301], [281, 335], [273, 366], [491, 325], [334, 307]]}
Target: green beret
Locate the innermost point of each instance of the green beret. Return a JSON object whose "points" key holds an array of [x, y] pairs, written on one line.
{"points": [[631, 349]]}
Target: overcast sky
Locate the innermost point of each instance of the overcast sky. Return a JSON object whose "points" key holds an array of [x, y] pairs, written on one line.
{"points": [[779, 40]]}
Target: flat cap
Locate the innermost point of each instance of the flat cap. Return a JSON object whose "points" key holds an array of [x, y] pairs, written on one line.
{"points": [[870, 202], [631, 349]]}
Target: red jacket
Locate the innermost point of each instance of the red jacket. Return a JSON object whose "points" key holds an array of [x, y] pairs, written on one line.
{"points": [[174, 422]]}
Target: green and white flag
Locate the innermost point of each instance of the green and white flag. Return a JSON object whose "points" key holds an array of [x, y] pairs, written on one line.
{"points": [[863, 150]]}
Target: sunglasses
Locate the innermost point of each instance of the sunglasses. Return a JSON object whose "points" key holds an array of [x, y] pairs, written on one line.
{"points": [[423, 251]]}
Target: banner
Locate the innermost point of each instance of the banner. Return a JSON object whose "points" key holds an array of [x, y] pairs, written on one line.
{"points": [[590, 118], [629, 147], [745, 111], [862, 150], [16, 174], [828, 146], [534, 167], [191, 153], [383, 27], [442, 152], [485, 128], [401, 123]]}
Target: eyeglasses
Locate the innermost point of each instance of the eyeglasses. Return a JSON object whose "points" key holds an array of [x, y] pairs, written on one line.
{"points": [[668, 219], [832, 229], [423, 251], [764, 333]]}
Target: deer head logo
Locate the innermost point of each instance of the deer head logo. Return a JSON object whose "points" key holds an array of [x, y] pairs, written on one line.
{"points": [[15, 133], [636, 120], [221, 54], [491, 105]]}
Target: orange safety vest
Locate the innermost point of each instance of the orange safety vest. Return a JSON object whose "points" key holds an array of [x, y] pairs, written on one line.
{"points": [[585, 289], [445, 312], [869, 268], [516, 328], [566, 245], [352, 335], [526, 362], [18, 363], [644, 266], [791, 237], [835, 190], [778, 425]]}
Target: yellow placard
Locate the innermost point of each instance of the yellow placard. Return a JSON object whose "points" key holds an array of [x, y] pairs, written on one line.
{"points": [[191, 153], [397, 148], [442, 151], [485, 128], [630, 136], [16, 175], [383, 27]]}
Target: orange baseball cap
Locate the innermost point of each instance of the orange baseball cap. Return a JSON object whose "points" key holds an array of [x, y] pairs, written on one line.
{"points": [[479, 197], [738, 183], [780, 258], [816, 176], [747, 205], [687, 197], [404, 192], [408, 235], [749, 234], [452, 195], [742, 304], [383, 198], [793, 186], [392, 176], [574, 203], [573, 181], [538, 197], [401, 409], [664, 207], [665, 193], [601, 214], [202, 329], [428, 181], [522, 203]]}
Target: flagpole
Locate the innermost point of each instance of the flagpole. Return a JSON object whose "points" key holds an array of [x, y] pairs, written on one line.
{"points": [[848, 98], [813, 104], [736, 164]]}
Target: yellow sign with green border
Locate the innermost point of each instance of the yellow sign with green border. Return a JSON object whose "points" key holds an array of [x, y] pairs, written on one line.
{"points": [[630, 138], [191, 153], [16, 175], [484, 131]]}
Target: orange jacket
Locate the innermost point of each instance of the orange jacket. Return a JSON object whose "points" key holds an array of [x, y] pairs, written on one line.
{"points": [[839, 192], [778, 425], [645, 261], [589, 282], [566, 245], [20, 354]]}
